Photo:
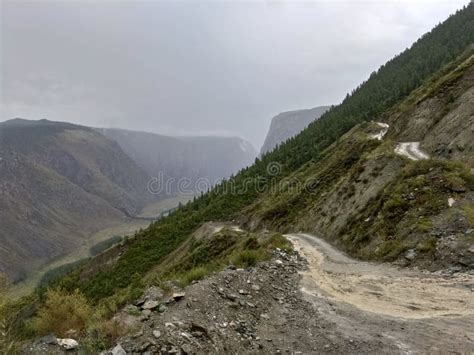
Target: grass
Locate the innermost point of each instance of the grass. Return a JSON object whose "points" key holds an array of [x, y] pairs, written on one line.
{"points": [[469, 211], [424, 225], [63, 312], [195, 274], [247, 258], [419, 192], [428, 245], [221, 249], [7, 340]]}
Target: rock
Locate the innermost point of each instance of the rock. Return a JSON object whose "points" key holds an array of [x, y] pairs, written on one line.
{"points": [[162, 308], [232, 296], [145, 346], [265, 316], [154, 293], [118, 350], [256, 287], [278, 262], [231, 267], [146, 312], [156, 334], [150, 305], [49, 339], [451, 201], [68, 344], [410, 254], [186, 335], [178, 295], [199, 329], [186, 349], [138, 334], [243, 292], [471, 249]]}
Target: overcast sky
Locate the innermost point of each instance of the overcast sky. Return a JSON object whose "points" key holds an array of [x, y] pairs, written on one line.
{"points": [[196, 68]]}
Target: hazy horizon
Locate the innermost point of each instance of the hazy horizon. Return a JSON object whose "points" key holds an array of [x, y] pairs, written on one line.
{"points": [[196, 68]]}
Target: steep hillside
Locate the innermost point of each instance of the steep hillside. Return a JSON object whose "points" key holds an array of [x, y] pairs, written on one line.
{"points": [[288, 124], [344, 178], [59, 183], [195, 158], [377, 204], [251, 193]]}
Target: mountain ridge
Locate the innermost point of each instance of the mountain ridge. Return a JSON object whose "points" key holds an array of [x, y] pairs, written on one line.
{"points": [[288, 124], [199, 158]]}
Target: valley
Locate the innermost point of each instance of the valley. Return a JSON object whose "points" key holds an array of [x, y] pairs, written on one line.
{"points": [[352, 231], [126, 228]]}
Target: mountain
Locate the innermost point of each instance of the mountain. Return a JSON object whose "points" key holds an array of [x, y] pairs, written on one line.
{"points": [[203, 160], [387, 175], [329, 156], [399, 190], [62, 182], [288, 124], [59, 183]]}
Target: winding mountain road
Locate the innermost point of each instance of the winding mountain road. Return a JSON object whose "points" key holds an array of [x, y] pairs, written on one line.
{"points": [[411, 150], [384, 129], [418, 311]]}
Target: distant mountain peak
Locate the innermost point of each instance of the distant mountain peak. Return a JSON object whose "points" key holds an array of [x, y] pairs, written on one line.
{"points": [[288, 124]]}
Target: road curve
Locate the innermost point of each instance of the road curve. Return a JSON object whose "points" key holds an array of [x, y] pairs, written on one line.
{"points": [[383, 288], [411, 150], [383, 131], [417, 311]]}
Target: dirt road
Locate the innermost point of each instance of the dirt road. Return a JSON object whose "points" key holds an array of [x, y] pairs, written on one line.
{"points": [[419, 312], [411, 150], [383, 131]]}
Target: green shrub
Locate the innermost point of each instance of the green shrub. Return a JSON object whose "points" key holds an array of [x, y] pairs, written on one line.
{"points": [[469, 211], [424, 225], [7, 341], [61, 312], [194, 274], [247, 258], [427, 245]]}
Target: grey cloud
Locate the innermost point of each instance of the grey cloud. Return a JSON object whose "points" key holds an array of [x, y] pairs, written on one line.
{"points": [[195, 67]]}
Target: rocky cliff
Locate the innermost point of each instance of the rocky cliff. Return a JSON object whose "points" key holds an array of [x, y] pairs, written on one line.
{"points": [[288, 124]]}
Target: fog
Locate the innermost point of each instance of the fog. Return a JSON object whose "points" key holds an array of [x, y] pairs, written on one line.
{"points": [[196, 68]]}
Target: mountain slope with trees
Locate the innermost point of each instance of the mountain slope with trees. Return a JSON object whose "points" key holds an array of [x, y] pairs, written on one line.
{"points": [[341, 160], [390, 84]]}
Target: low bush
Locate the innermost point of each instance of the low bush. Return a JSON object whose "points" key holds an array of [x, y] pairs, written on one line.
{"points": [[7, 343], [63, 312], [194, 274], [247, 258]]}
